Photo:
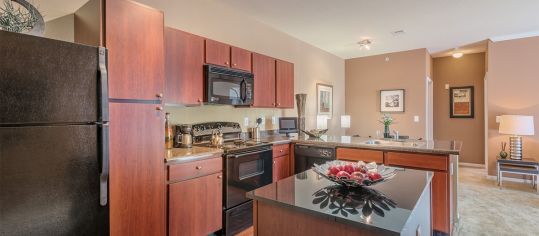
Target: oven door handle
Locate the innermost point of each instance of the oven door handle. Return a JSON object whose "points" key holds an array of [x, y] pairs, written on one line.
{"points": [[247, 153]]}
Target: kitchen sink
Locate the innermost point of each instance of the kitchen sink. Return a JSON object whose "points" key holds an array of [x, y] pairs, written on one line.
{"points": [[402, 143]]}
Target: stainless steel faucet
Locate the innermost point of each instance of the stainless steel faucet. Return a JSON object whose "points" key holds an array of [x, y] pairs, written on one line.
{"points": [[396, 135]]}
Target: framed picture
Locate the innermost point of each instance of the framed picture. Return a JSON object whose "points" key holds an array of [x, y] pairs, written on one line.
{"points": [[461, 102], [324, 95], [392, 100]]}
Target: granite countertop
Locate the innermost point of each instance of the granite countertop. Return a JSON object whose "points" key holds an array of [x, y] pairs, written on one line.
{"points": [[182, 155], [410, 145], [387, 205]]}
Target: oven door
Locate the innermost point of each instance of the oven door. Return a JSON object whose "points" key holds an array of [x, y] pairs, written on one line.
{"points": [[246, 172], [227, 86]]}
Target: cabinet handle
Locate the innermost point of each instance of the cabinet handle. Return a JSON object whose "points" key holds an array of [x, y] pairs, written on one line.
{"points": [[159, 95], [235, 64], [273, 104], [274, 162], [198, 167], [278, 104], [281, 150], [159, 108], [219, 176], [226, 62], [199, 100]]}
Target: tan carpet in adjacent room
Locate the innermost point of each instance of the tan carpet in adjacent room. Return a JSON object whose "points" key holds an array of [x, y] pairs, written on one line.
{"points": [[485, 209]]}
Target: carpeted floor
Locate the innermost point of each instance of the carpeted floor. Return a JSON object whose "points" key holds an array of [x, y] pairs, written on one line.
{"points": [[485, 209]]}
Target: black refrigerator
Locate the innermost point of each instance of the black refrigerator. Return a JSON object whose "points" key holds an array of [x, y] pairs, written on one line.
{"points": [[53, 137]]}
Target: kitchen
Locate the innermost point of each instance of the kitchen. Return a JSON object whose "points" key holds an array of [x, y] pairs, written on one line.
{"points": [[198, 125]]}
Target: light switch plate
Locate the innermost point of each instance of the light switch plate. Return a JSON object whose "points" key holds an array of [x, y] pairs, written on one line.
{"points": [[245, 122], [274, 120], [263, 121], [498, 119], [416, 119], [446, 86]]}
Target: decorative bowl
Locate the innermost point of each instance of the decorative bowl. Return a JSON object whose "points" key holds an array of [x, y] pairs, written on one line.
{"points": [[385, 173], [315, 133]]}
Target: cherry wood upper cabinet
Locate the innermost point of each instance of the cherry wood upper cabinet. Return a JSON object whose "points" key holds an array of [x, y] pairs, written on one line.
{"points": [[264, 79], [241, 59], [137, 176], [195, 205], [284, 85], [184, 62], [134, 37], [217, 53]]}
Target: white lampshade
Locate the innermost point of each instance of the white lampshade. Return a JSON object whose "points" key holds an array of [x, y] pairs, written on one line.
{"points": [[345, 121], [516, 125], [321, 122]]}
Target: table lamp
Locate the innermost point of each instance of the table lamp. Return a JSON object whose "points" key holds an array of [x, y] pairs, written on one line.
{"points": [[516, 126]]}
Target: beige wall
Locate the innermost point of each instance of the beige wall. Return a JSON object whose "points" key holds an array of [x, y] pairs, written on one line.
{"points": [[366, 76], [466, 71], [61, 28], [217, 21], [513, 82]]}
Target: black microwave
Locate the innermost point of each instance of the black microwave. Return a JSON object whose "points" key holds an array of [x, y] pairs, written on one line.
{"points": [[227, 86]]}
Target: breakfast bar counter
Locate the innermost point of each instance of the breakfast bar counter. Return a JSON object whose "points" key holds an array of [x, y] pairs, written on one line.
{"points": [[309, 204]]}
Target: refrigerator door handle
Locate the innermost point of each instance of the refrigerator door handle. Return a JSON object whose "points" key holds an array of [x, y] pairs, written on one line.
{"points": [[103, 86], [104, 175]]}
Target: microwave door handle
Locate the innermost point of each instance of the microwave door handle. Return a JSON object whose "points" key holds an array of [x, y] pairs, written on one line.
{"points": [[243, 92]]}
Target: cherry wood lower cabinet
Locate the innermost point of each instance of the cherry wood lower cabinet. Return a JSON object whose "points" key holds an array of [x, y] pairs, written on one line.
{"points": [[442, 208], [195, 205], [281, 162], [184, 64], [137, 193], [353, 154]]}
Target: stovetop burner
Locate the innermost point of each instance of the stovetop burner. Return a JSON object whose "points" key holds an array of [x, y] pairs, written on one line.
{"points": [[238, 145]]}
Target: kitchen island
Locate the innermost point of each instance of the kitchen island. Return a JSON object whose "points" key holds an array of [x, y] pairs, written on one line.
{"points": [[308, 204], [440, 157]]}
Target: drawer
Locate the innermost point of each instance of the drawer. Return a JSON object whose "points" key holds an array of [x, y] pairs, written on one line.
{"points": [[367, 156], [194, 169], [419, 161], [280, 150]]}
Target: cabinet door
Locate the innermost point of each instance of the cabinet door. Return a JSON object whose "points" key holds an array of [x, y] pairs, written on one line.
{"points": [[280, 168], [134, 38], [264, 79], [137, 176], [184, 67], [195, 206], [440, 202], [241, 59], [217, 53], [284, 84]]}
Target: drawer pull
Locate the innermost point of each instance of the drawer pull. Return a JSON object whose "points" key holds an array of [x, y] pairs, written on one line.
{"points": [[274, 162], [198, 167], [281, 150], [219, 176]]}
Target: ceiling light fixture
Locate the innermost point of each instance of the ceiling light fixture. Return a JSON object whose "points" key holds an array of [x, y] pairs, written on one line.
{"points": [[365, 44], [457, 54]]}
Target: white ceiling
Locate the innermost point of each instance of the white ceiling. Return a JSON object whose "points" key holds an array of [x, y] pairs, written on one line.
{"points": [[336, 26]]}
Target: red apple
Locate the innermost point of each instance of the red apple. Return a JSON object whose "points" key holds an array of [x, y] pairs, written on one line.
{"points": [[333, 170], [360, 168], [374, 176], [343, 175], [358, 176], [349, 168]]}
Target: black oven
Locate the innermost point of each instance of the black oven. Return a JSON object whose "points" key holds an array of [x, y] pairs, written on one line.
{"points": [[228, 86], [245, 171]]}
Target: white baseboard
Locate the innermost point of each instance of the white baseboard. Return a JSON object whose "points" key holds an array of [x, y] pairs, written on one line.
{"points": [[464, 164], [510, 179]]}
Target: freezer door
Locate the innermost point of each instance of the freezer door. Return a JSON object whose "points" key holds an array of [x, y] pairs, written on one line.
{"points": [[47, 81], [50, 181]]}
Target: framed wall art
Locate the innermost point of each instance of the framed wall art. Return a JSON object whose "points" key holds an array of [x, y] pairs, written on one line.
{"points": [[392, 100], [324, 95], [461, 102]]}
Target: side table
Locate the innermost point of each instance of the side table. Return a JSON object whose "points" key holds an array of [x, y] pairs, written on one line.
{"points": [[526, 166]]}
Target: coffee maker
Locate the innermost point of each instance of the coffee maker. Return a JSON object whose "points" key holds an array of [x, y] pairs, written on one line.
{"points": [[183, 138]]}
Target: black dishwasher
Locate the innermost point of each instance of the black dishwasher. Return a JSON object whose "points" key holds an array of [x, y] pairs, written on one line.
{"points": [[306, 155]]}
